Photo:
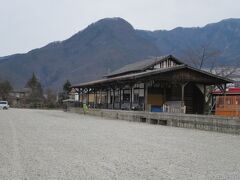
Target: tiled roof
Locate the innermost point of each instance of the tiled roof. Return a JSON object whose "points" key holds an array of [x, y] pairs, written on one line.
{"points": [[141, 65], [140, 75], [228, 91]]}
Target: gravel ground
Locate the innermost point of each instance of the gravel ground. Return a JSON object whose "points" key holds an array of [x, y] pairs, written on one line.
{"points": [[41, 144]]}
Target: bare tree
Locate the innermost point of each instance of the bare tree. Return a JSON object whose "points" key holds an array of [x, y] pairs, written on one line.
{"points": [[51, 98], [207, 57], [204, 55]]}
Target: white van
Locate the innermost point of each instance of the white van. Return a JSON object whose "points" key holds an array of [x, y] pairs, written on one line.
{"points": [[4, 105]]}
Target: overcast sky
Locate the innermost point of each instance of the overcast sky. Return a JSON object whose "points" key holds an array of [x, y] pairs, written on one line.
{"points": [[29, 24]]}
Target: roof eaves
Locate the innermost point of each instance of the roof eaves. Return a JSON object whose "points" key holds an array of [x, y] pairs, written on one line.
{"points": [[153, 72], [210, 74]]}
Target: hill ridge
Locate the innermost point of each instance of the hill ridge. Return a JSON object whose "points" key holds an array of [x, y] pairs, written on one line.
{"points": [[111, 43]]}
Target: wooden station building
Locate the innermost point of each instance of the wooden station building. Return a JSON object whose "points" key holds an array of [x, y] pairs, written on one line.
{"points": [[161, 84]]}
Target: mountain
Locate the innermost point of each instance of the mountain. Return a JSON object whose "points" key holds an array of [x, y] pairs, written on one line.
{"points": [[101, 47], [223, 36], [111, 43]]}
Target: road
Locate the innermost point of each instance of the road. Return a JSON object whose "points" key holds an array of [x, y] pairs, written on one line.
{"points": [[49, 144]]}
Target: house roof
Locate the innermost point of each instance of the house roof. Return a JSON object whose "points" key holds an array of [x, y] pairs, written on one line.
{"points": [[229, 91], [142, 65], [140, 75]]}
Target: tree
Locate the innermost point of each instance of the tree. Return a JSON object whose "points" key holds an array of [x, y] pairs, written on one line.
{"points": [[202, 56], [66, 90], [35, 96], [67, 86], [51, 100], [5, 89], [206, 57]]}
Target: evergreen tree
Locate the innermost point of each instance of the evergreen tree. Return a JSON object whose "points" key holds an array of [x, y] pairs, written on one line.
{"points": [[67, 86], [66, 90], [35, 96]]}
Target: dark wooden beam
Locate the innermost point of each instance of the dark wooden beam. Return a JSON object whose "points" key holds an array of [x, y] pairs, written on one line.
{"points": [[120, 98], [113, 99]]}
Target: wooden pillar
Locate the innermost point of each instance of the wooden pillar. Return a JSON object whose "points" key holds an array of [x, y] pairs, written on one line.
{"points": [[113, 99], [204, 91], [120, 98], [94, 98], [131, 96], [145, 96], [182, 99], [82, 95], [107, 97], [79, 94], [104, 92], [204, 102], [87, 96], [100, 98], [139, 105]]}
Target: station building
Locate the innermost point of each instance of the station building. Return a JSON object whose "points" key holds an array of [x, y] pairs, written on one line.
{"points": [[161, 84]]}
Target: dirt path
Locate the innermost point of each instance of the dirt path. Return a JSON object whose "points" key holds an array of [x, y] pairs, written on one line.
{"points": [[40, 144]]}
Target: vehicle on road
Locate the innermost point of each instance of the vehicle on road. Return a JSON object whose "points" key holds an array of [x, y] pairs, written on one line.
{"points": [[4, 105]]}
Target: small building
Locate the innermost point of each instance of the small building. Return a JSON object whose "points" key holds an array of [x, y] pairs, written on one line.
{"points": [[161, 84], [227, 103], [17, 98]]}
